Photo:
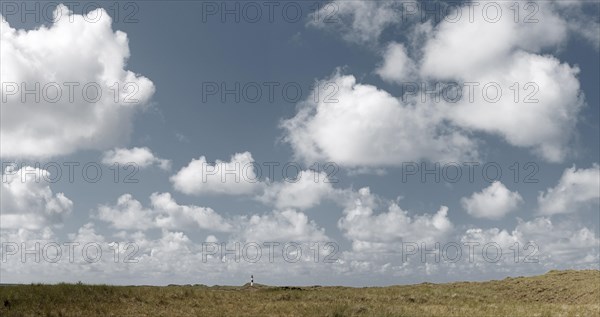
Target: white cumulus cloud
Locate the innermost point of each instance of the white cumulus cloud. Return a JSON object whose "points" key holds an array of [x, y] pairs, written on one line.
{"points": [[307, 190], [175, 216], [493, 202], [28, 201], [235, 177], [538, 91], [576, 189], [541, 243], [86, 96], [142, 157], [165, 213], [383, 231], [127, 213], [286, 226], [366, 126]]}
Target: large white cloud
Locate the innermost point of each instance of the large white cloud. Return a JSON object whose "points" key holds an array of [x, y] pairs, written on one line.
{"points": [[28, 201], [221, 177], [482, 52], [550, 121], [576, 189], [493, 202], [503, 53], [79, 53], [366, 126], [142, 157]]}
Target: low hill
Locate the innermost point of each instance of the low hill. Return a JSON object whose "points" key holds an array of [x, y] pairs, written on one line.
{"points": [[557, 293]]}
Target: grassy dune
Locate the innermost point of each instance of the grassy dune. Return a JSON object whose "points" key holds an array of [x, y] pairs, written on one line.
{"points": [[557, 293]]}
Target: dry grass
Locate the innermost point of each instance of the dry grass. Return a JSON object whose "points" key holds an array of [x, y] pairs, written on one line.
{"points": [[557, 293]]}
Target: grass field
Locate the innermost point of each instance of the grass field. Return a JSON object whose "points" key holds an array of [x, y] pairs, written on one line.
{"points": [[557, 293]]}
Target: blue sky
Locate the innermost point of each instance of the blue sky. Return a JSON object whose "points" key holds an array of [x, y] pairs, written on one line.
{"points": [[361, 57]]}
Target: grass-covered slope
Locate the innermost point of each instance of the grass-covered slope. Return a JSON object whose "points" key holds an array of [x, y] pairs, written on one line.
{"points": [[557, 293]]}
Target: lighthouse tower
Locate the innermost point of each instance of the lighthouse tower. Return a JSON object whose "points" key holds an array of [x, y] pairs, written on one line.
{"points": [[251, 280]]}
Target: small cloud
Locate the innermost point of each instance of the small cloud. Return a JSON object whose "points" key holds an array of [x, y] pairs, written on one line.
{"points": [[142, 157], [576, 189], [182, 138], [493, 202], [296, 39], [235, 177]]}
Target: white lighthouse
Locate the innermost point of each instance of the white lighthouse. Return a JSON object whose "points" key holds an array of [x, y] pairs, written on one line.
{"points": [[251, 280]]}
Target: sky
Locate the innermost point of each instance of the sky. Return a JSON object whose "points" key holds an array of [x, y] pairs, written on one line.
{"points": [[303, 142]]}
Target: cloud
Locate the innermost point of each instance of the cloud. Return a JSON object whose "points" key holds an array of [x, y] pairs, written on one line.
{"points": [[87, 233], [238, 177], [547, 98], [576, 189], [287, 226], [182, 137], [548, 104], [581, 19], [397, 66], [165, 213], [172, 257], [553, 245], [493, 202], [542, 245], [127, 214], [142, 157], [28, 201], [235, 177], [547, 95], [467, 49], [306, 191], [175, 216], [359, 22], [369, 231], [88, 55], [366, 126]]}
